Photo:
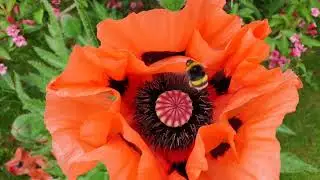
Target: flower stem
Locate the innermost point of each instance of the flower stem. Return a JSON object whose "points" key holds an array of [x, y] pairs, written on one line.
{"points": [[68, 9]]}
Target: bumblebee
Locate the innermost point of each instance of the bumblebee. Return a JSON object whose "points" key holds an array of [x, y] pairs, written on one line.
{"points": [[198, 78]]}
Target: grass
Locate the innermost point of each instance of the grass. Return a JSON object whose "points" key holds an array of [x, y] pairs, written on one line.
{"points": [[305, 122]]}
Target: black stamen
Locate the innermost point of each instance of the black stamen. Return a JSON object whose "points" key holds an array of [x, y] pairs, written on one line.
{"points": [[235, 123], [220, 150], [220, 82], [20, 164], [153, 56], [180, 167], [131, 145], [120, 86], [156, 133]]}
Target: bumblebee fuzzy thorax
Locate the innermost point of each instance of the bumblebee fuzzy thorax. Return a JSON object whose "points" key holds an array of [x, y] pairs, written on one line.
{"points": [[196, 74]]}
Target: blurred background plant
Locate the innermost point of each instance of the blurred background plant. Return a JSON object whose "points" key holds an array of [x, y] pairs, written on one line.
{"points": [[36, 37], [294, 26]]}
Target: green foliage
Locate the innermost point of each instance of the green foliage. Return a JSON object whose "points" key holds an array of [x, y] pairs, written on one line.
{"points": [[54, 169], [100, 10], [286, 130], [49, 57], [4, 53], [285, 19], [290, 163], [173, 5], [89, 29], [97, 173], [29, 128], [71, 26], [56, 42]]}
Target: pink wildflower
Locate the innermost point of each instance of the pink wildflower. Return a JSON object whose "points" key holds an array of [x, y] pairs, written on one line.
{"points": [[275, 54], [16, 9], [28, 22], [312, 29], [302, 24], [276, 60], [136, 6], [295, 38], [56, 12], [3, 69], [13, 30], [298, 49], [11, 20], [20, 41], [56, 2], [315, 12], [295, 52]]}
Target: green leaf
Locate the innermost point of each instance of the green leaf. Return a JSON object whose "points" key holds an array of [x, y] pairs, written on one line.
{"points": [[173, 5], [49, 58], [27, 7], [44, 70], [253, 7], [311, 42], [98, 173], [100, 10], [301, 67], [86, 21], [10, 4], [71, 26], [290, 163], [271, 42], [245, 12], [8, 79], [305, 12], [276, 21], [30, 28], [38, 81], [38, 15], [235, 9], [54, 169], [4, 53], [56, 32], [44, 150], [28, 128], [283, 45], [19, 89], [54, 46], [35, 106], [287, 33], [286, 130]]}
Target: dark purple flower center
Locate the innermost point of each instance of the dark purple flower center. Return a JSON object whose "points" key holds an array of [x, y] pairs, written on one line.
{"points": [[154, 56], [220, 82], [169, 112]]}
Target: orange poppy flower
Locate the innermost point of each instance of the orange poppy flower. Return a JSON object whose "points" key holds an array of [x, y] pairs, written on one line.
{"points": [[129, 104], [24, 164]]}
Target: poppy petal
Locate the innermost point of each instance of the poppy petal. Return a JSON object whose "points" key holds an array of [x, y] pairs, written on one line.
{"points": [[219, 27], [76, 158], [200, 50], [88, 72], [247, 43], [249, 81], [86, 130], [215, 25], [136, 32], [256, 143], [207, 139], [170, 64], [70, 112]]}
